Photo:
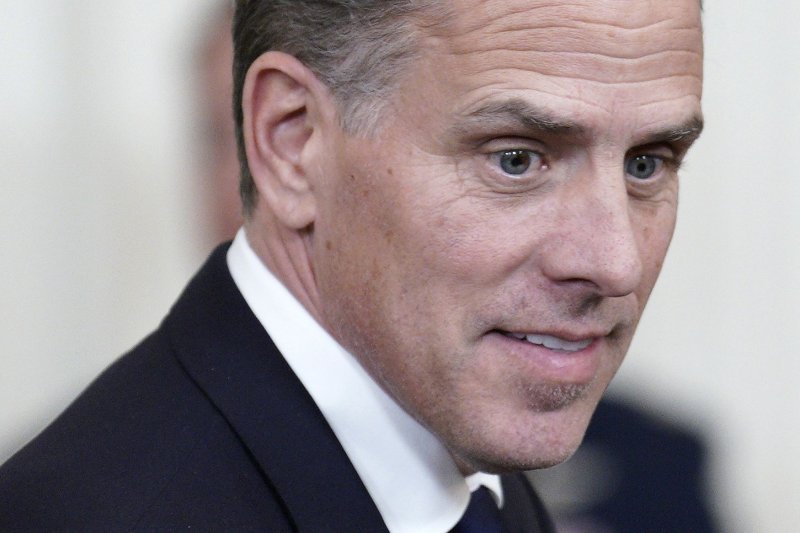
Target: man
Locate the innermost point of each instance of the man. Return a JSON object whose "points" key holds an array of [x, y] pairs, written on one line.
{"points": [[454, 214]]}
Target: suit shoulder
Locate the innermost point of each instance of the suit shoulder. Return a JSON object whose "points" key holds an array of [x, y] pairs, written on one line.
{"points": [[114, 456]]}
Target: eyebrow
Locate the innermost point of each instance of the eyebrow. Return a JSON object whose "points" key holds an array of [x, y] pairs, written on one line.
{"points": [[515, 112], [684, 134]]}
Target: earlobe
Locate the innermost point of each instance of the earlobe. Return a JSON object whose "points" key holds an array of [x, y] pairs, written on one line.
{"points": [[279, 119]]}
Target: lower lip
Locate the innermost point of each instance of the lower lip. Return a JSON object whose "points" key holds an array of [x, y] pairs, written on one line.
{"points": [[555, 366]]}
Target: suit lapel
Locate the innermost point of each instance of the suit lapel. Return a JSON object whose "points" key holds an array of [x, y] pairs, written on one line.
{"points": [[226, 351]]}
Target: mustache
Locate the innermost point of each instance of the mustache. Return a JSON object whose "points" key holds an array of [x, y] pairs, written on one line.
{"points": [[553, 310]]}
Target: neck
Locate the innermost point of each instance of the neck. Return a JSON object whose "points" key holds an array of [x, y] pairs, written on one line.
{"points": [[286, 254]]}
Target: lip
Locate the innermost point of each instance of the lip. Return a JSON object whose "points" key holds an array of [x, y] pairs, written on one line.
{"points": [[552, 365]]}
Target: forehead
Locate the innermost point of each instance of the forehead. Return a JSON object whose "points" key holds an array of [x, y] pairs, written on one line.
{"points": [[591, 57]]}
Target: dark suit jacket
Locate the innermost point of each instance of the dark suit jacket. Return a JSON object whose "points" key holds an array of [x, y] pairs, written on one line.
{"points": [[202, 426]]}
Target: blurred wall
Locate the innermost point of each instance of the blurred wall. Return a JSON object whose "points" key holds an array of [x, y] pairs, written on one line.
{"points": [[98, 214], [101, 225]]}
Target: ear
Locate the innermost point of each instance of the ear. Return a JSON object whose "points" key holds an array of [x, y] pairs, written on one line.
{"points": [[281, 104]]}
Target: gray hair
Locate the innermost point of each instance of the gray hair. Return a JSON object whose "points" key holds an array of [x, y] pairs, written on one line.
{"points": [[357, 48]]}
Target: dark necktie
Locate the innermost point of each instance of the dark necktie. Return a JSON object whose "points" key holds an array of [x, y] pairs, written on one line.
{"points": [[481, 516]]}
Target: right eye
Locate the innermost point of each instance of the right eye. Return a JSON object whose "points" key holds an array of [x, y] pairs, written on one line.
{"points": [[517, 162]]}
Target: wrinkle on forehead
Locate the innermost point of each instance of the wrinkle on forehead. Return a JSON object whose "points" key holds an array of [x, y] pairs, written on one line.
{"points": [[611, 41], [614, 14]]}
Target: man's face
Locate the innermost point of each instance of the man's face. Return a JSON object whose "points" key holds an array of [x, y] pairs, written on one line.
{"points": [[488, 253]]}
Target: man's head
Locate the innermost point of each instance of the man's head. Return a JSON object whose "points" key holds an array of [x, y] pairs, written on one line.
{"points": [[486, 240]]}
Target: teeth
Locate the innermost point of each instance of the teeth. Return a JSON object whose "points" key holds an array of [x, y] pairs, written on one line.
{"points": [[554, 343]]}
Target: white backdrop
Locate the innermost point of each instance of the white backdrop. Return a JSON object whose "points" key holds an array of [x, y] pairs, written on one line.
{"points": [[100, 228]]}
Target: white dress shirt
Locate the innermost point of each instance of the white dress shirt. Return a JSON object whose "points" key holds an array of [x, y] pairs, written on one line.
{"points": [[409, 474]]}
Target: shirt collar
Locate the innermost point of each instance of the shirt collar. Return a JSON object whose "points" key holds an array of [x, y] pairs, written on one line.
{"points": [[409, 474]]}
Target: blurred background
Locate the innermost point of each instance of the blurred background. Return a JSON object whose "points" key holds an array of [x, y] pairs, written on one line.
{"points": [[111, 182]]}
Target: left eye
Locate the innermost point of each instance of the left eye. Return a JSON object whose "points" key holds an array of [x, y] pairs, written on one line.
{"points": [[517, 162], [642, 167]]}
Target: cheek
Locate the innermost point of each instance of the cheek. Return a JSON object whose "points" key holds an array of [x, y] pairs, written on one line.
{"points": [[368, 260], [476, 243]]}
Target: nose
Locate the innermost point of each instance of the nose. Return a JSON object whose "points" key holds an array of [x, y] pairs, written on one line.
{"points": [[594, 240]]}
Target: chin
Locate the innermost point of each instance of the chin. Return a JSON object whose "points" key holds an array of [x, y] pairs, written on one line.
{"points": [[497, 464], [501, 456], [529, 441]]}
